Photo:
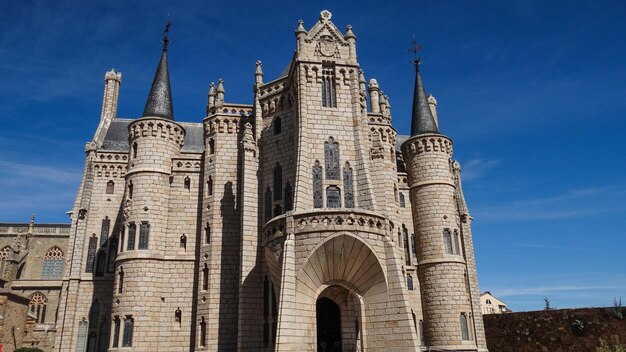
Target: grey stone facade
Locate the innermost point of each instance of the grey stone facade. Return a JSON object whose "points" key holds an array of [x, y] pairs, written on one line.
{"points": [[291, 224]]}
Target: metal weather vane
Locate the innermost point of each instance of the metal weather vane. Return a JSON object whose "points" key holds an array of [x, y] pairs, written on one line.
{"points": [[414, 49], [166, 40]]}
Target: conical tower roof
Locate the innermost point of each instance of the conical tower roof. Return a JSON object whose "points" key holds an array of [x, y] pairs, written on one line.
{"points": [[422, 120], [160, 98]]}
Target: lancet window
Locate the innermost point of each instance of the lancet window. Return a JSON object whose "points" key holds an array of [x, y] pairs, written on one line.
{"points": [[104, 231], [288, 197], [91, 253], [37, 307], [144, 234], [348, 188], [329, 96], [331, 157], [317, 185]]}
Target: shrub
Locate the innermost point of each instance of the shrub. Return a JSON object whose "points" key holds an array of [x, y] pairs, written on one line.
{"points": [[606, 347], [578, 327], [618, 310]]}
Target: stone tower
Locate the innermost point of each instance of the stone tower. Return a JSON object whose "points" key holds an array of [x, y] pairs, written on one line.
{"points": [[446, 267]]}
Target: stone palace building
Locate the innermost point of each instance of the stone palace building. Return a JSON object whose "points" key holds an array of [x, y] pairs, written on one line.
{"points": [[300, 222]]}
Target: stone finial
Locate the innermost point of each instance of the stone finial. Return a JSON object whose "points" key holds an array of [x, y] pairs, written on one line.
{"points": [[349, 34], [325, 16], [432, 104], [258, 73], [114, 76], [32, 219], [219, 99], [373, 84], [362, 82], [300, 28], [211, 102], [374, 96], [212, 89], [431, 99]]}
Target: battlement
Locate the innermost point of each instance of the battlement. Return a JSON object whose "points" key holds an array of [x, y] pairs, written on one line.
{"points": [[156, 127], [428, 143]]}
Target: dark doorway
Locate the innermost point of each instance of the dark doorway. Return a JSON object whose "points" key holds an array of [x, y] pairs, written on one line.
{"points": [[328, 326]]}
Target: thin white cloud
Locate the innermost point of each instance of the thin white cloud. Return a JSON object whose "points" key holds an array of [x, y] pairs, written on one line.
{"points": [[475, 168], [18, 173]]}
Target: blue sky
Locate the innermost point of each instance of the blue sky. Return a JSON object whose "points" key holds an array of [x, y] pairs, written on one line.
{"points": [[533, 94]]}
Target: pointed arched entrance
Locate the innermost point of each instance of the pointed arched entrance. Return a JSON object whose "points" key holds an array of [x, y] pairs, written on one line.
{"points": [[328, 325]]}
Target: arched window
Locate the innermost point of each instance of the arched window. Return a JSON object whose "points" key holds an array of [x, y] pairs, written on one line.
{"points": [[101, 263], [277, 125], [288, 197], [187, 183], [329, 97], [414, 245], [457, 243], [488, 301], [110, 187], [112, 254], [116, 332], [132, 230], [144, 234], [53, 261], [278, 182], [333, 197], [409, 282], [348, 188], [464, 327], [202, 332], [268, 204], [205, 277], [421, 329], [130, 190], [207, 233], [447, 241], [134, 150], [37, 307], [402, 200], [211, 146], [317, 185], [127, 339], [331, 157], [91, 253], [81, 336], [120, 280], [405, 240], [104, 231], [209, 186]]}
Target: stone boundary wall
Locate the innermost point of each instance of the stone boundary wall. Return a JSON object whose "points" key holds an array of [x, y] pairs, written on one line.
{"points": [[552, 330]]}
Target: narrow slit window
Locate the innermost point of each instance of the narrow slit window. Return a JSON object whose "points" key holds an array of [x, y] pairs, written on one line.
{"points": [[348, 188], [329, 96], [317, 185], [278, 182], [209, 186], [112, 254], [207, 233], [104, 231], [402, 200], [132, 229], [268, 204], [91, 253], [288, 197], [409, 282], [457, 243], [205, 277], [116, 332], [464, 327], [144, 234], [331, 156], [277, 125], [120, 280], [447, 241], [127, 339], [187, 183]]}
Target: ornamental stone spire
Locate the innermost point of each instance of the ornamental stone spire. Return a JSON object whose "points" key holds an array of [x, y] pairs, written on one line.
{"points": [[422, 120], [159, 102]]}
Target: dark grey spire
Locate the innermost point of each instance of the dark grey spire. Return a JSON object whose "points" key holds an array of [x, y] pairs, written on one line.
{"points": [[422, 120], [160, 99]]}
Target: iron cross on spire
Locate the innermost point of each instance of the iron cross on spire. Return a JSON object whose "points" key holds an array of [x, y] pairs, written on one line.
{"points": [[414, 49], [166, 40]]}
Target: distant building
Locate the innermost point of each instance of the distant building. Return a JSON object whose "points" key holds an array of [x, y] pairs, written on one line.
{"points": [[32, 258], [490, 304]]}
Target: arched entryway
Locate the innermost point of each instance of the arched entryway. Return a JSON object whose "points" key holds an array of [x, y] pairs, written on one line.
{"points": [[328, 325]]}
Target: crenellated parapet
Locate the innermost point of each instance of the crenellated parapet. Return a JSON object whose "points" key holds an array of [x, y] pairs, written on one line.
{"points": [[431, 143], [156, 127]]}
